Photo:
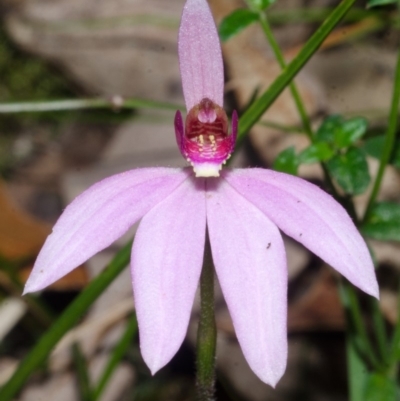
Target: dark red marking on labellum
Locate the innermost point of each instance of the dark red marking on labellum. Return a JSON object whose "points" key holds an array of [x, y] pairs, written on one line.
{"points": [[206, 142]]}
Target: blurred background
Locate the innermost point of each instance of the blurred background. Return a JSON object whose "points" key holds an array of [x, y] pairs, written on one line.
{"points": [[120, 49]]}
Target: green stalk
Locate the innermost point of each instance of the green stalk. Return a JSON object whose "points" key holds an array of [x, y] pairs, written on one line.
{"points": [[257, 109], [39, 353], [380, 329], [282, 63], [207, 332], [117, 354], [116, 103], [285, 128], [357, 371], [389, 139], [82, 374], [311, 15], [395, 345], [352, 306], [298, 102]]}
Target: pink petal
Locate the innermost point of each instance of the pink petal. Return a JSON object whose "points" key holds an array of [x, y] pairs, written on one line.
{"points": [[97, 217], [312, 217], [179, 130], [166, 265], [200, 56], [250, 262], [235, 122]]}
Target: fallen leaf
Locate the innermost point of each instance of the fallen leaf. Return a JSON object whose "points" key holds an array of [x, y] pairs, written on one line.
{"points": [[21, 238]]}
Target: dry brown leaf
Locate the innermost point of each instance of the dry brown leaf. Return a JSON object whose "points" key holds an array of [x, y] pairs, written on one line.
{"points": [[74, 281], [22, 236], [319, 308]]}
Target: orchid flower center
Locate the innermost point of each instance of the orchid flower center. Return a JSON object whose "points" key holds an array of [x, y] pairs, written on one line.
{"points": [[206, 142], [206, 127]]}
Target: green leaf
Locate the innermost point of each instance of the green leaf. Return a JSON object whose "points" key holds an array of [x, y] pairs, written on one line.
{"points": [[326, 132], [376, 3], [374, 147], [287, 161], [350, 171], [380, 388], [350, 131], [383, 222], [341, 133], [262, 4], [116, 356], [235, 22], [317, 152]]}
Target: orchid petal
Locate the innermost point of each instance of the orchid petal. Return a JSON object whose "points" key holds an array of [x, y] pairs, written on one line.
{"points": [[200, 55], [250, 261], [166, 265], [179, 130], [235, 123], [97, 217], [312, 217]]}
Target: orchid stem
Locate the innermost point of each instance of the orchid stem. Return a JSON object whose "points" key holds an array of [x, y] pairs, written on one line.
{"points": [[389, 139], [380, 329], [394, 348], [282, 63], [318, 14], [207, 332], [352, 306], [116, 356], [296, 96], [114, 103]]}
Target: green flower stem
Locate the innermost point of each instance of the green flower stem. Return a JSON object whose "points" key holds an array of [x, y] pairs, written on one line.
{"points": [[282, 63], [352, 306], [257, 109], [207, 332], [285, 128], [296, 97], [116, 356], [357, 371], [311, 15], [395, 345], [389, 139], [82, 373], [115, 102], [380, 329], [298, 101], [65, 322]]}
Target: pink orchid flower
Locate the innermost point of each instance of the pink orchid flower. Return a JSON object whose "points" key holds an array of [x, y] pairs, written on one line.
{"points": [[242, 210]]}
